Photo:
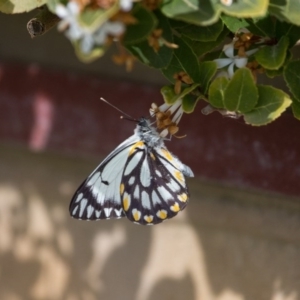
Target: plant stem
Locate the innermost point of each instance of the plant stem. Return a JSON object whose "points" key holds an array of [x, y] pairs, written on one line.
{"points": [[42, 22]]}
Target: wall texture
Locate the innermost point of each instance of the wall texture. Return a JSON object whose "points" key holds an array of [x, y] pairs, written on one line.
{"points": [[228, 244], [62, 112]]}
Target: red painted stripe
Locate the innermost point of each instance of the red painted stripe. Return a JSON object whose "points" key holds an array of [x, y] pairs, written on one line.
{"points": [[61, 111]]}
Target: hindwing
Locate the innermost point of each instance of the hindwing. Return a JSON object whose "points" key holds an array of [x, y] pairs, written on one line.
{"points": [[153, 186]]}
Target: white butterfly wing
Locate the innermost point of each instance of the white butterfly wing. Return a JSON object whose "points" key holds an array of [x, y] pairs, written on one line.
{"points": [[145, 183], [98, 197], [153, 186]]}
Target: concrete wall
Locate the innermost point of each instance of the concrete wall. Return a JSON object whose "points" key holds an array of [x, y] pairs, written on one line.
{"points": [[228, 244]]}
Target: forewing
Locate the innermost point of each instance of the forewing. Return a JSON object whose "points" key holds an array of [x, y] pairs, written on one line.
{"points": [[153, 188], [98, 197]]}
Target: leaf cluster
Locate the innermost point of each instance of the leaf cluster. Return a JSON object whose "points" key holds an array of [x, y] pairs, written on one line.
{"points": [[184, 40]]}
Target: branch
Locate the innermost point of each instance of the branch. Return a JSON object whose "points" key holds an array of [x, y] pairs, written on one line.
{"points": [[43, 22]]}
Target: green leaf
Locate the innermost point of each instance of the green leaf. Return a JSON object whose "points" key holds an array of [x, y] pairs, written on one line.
{"points": [[211, 56], [216, 92], [202, 33], [271, 104], [273, 57], [207, 71], [146, 23], [147, 55], [241, 93], [288, 10], [187, 59], [189, 103], [262, 26], [169, 95], [94, 54], [203, 12], [188, 90], [233, 23], [289, 30], [292, 77], [94, 18], [143, 52], [198, 12], [244, 9], [177, 24], [254, 29], [51, 4], [173, 67], [200, 48], [274, 73], [20, 6], [296, 109]]}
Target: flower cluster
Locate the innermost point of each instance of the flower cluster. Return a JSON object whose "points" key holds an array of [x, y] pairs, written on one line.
{"points": [[233, 60], [167, 117], [241, 42], [88, 37]]}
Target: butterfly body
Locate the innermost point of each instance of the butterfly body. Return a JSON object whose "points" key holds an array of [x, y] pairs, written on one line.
{"points": [[140, 179]]}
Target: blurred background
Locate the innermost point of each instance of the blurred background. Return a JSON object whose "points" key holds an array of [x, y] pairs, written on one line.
{"points": [[238, 239]]}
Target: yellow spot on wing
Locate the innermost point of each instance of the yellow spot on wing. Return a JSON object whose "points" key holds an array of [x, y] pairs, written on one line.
{"points": [[183, 197], [122, 188], [136, 145], [175, 207], [136, 214], [126, 202], [162, 214], [152, 155], [148, 219], [167, 154], [178, 175]]}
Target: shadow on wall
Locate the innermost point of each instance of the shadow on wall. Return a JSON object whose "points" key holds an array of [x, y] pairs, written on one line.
{"points": [[44, 254]]}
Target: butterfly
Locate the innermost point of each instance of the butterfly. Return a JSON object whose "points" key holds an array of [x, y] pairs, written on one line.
{"points": [[140, 179]]}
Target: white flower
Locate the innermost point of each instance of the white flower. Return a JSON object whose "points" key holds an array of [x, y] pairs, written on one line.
{"points": [[232, 60], [108, 28], [172, 108], [167, 116], [67, 12], [99, 36], [69, 22], [126, 5], [226, 2], [87, 42], [88, 37]]}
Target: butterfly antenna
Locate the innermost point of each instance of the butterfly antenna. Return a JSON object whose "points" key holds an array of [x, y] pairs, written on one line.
{"points": [[127, 117]]}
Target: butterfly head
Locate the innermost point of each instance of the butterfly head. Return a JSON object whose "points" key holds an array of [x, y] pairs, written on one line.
{"points": [[148, 133], [144, 123]]}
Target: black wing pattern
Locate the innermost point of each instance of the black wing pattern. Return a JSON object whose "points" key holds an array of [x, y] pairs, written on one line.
{"points": [[98, 197], [153, 186], [145, 184]]}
